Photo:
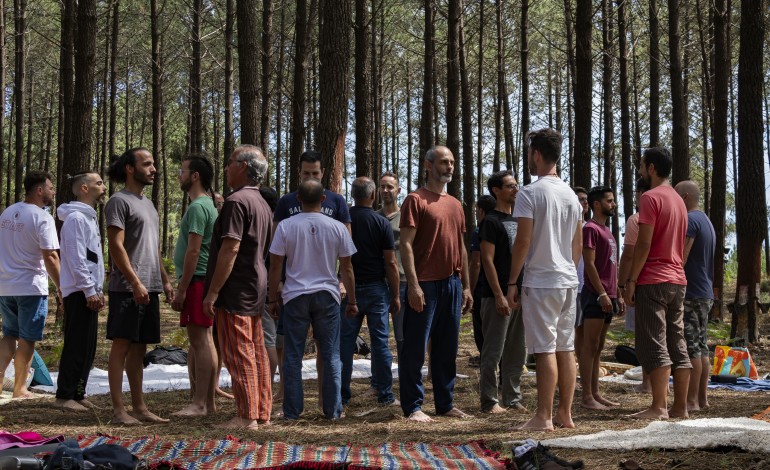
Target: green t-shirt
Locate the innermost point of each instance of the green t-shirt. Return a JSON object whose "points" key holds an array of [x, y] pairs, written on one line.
{"points": [[199, 219]]}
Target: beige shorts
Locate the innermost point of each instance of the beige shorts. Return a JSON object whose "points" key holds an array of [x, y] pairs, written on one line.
{"points": [[549, 319]]}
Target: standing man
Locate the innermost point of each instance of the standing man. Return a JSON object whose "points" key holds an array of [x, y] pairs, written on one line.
{"points": [[698, 257], [438, 288], [599, 299], [82, 280], [311, 244], [137, 278], [503, 326], [656, 286], [389, 191], [549, 237], [629, 242], [582, 195], [28, 245], [377, 289], [190, 259], [484, 205], [236, 287]]}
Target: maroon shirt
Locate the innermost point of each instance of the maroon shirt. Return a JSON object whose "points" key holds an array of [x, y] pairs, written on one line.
{"points": [[245, 217], [599, 238]]}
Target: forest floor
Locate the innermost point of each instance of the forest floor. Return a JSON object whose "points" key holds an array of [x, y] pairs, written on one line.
{"points": [[386, 424]]}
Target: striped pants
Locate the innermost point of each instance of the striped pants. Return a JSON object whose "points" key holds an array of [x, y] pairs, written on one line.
{"points": [[242, 345], [660, 327]]}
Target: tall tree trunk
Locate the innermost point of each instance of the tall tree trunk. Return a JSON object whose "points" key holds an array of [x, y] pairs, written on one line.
{"points": [[248, 59], [20, 23], [571, 77], [680, 139], [467, 132], [583, 95], [3, 175], [609, 143], [707, 103], [363, 92], [411, 181], [453, 94], [524, 30], [750, 210], [480, 101], [8, 164], [654, 108], [157, 91], [196, 103], [267, 71], [376, 62], [637, 156], [228, 144], [426, 114], [302, 34], [279, 103], [336, 16], [30, 117], [625, 114]]}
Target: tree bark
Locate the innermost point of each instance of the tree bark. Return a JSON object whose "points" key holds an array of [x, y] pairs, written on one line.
{"points": [[583, 95], [20, 23], [3, 175], [196, 104], [680, 151], [524, 31], [467, 133], [625, 114], [426, 114], [654, 74], [279, 103], [267, 71], [363, 92], [229, 141], [453, 94], [302, 34], [157, 92], [608, 144], [248, 60]]}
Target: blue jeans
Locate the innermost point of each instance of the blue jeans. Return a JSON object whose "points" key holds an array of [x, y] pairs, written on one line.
{"points": [[440, 320], [373, 302], [321, 310], [24, 316]]}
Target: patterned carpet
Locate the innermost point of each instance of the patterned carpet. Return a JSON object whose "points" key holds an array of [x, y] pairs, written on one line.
{"points": [[233, 454]]}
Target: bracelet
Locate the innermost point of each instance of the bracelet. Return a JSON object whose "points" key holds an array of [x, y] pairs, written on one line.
{"points": [[511, 284], [602, 295]]}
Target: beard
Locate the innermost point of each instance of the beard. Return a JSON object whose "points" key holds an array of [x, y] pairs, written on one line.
{"points": [[447, 178], [47, 201], [186, 185]]}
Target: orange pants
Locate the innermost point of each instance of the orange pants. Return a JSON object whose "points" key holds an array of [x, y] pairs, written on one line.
{"points": [[242, 345]]}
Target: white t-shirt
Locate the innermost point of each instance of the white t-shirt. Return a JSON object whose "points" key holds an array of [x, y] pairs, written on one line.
{"points": [[25, 229], [556, 211], [311, 242]]}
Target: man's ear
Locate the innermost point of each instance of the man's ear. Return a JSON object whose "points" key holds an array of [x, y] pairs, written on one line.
{"points": [[323, 198]]}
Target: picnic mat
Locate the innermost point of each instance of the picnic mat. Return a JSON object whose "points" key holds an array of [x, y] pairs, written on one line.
{"points": [[749, 434], [230, 453]]}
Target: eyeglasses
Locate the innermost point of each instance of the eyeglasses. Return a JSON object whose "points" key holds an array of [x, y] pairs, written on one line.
{"points": [[512, 186], [181, 171], [583, 199]]}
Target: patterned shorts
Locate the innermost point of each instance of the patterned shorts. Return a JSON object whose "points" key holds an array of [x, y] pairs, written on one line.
{"points": [[696, 320]]}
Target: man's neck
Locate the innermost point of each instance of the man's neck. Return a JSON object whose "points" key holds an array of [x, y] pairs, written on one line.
{"points": [[34, 201], [364, 205], [308, 209], [655, 182], [135, 187], [547, 170], [503, 207], [195, 192], [434, 186], [390, 208], [600, 219], [87, 201]]}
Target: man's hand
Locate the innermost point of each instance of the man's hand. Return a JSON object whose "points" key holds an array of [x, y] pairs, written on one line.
{"points": [[343, 292], [275, 310], [501, 305], [621, 306], [95, 302], [208, 304], [630, 294], [351, 310], [513, 297], [467, 300], [416, 298], [395, 305], [141, 296], [605, 303], [178, 303], [168, 289]]}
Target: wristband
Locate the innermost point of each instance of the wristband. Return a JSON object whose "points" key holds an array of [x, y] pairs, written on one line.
{"points": [[511, 284], [602, 295]]}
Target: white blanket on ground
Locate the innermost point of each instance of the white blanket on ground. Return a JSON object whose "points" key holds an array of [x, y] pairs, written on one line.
{"points": [[749, 434]]}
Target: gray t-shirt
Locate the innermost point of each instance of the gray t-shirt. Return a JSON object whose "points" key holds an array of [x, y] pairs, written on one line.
{"points": [[395, 219], [138, 218]]}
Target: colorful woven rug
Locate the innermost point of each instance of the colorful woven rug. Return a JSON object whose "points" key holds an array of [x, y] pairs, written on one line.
{"points": [[232, 454]]}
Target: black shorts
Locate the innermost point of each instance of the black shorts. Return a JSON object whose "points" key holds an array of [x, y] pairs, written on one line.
{"points": [[592, 309], [134, 322]]}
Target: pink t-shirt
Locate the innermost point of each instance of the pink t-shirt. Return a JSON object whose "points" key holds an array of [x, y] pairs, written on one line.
{"points": [[632, 230], [664, 209]]}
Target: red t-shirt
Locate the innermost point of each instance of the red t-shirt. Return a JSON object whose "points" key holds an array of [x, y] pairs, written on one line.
{"points": [[664, 209], [440, 224]]}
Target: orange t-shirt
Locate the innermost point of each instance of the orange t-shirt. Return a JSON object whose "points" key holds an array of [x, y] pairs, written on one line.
{"points": [[440, 224], [664, 209]]}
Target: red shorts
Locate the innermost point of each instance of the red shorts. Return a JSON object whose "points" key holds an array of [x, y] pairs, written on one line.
{"points": [[192, 310]]}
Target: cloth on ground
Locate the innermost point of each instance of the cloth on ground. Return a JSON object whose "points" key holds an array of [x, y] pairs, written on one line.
{"points": [[25, 439], [745, 433], [744, 384]]}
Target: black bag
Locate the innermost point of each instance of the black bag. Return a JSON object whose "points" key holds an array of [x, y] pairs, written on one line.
{"points": [[626, 355], [69, 456], [362, 348], [166, 356]]}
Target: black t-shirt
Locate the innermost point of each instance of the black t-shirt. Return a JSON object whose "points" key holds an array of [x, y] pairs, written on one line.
{"points": [[499, 229], [372, 235]]}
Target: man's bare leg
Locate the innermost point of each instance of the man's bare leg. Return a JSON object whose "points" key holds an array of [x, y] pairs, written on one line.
{"points": [[21, 364], [7, 351], [589, 362], [693, 390], [703, 401], [659, 386], [203, 371], [681, 384], [135, 374], [546, 379], [115, 367], [565, 362], [595, 384], [218, 390]]}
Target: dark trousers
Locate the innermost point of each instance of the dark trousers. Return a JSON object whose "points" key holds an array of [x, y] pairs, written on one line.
{"points": [[80, 327], [478, 330], [440, 320]]}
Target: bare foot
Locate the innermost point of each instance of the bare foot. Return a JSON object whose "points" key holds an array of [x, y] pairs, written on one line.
{"points": [[70, 405], [224, 394], [239, 423], [604, 401], [590, 403], [693, 406], [642, 388], [678, 413], [561, 421], [124, 418], [147, 416], [704, 405], [456, 413], [497, 409], [420, 417], [536, 423], [518, 407], [263, 422], [22, 396], [86, 403], [192, 410], [650, 413]]}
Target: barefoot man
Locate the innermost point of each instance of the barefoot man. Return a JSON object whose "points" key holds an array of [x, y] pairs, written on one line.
{"points": [[438, 288], [656, 286], [549, 237], [137, 278]]}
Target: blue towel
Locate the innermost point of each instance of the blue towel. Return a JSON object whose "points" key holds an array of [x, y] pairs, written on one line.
{"points": [[42, 376], [744, 384]]}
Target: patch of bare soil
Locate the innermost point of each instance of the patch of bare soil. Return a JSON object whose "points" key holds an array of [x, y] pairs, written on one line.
{"points": [[368, 423]]}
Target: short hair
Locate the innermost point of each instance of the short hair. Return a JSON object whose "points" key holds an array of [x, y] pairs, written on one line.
{"points": [[202, 165], [270, 196], [309, 156], [117, 170], [642, 185], [580, 189], [661, 158], [391, 175], [430, 155], [486, 203], [496, 180], [310, 191], [362, 188], [35, 178], [77, 180], [597, 194], [256, 163], [548, 142]]}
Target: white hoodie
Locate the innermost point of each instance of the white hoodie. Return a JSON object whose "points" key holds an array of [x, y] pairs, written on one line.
{"points": [[82, 265]]}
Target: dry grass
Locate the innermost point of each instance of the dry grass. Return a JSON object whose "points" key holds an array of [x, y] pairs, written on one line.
{"points": [[383, 424]]}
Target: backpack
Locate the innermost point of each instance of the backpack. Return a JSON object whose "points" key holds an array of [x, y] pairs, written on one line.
{"points": [[166, 355]]}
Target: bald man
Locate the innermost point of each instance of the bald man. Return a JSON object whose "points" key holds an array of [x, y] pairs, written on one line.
{"points": [[699, 247]]}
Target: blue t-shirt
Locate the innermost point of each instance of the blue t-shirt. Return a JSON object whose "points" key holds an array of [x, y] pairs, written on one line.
{"points": [[699, 268], [333, 206], [372, 235]]}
